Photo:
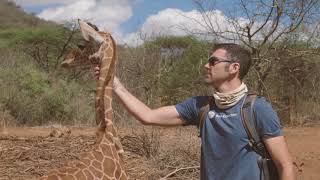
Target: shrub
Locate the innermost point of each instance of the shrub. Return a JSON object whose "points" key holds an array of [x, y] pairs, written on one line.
{"points": [[34, 97]]}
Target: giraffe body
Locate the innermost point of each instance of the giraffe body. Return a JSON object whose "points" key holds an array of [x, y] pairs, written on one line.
{"points": [[104, 161]]}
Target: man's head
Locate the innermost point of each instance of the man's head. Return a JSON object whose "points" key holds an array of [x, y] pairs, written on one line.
{"points": [[227, 61]]}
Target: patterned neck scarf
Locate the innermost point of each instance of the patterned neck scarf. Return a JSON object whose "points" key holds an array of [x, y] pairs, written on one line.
{"points": [[227, 100]]}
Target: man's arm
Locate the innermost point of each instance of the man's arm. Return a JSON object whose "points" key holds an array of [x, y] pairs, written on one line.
{"points": [[164, 116], [279, 152]]}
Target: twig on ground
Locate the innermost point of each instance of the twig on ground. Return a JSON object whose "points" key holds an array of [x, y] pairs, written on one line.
{"points": [[177, 170]]}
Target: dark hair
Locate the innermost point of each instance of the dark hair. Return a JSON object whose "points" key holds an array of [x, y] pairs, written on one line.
{"points": [[238, 54]]}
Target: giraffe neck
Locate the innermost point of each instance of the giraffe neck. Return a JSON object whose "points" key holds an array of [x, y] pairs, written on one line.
{"points": [[107, 131], [104, 91], [110, 144], [104, 111], [104, 161]]}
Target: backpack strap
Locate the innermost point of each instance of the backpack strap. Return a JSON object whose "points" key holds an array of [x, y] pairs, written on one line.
{"points": [[249, 122], [202, 114]]}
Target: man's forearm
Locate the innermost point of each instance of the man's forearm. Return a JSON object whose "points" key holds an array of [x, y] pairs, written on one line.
{"points": [[162, 116], [137, 108]]}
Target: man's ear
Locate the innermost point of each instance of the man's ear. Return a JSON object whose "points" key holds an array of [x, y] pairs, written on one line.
{"points": [[234, 68], [87, 32]]}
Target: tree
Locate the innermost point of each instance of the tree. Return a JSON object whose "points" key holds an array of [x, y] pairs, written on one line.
{"points": [[46, 45], [272, 30], [262, 26]]}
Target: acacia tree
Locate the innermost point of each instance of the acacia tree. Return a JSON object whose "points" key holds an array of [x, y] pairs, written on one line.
{"points": [[261, 25], [47, 45], [270, 29]]}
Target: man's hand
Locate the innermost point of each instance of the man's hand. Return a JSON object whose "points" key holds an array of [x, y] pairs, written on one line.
{"points": [[116, 82], [96, 72]]}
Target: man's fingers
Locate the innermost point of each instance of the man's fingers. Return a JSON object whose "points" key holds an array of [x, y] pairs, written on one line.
{"points": [[96, 69], [96, 72]]}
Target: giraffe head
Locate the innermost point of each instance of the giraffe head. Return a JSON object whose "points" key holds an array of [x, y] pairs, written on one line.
{"points": [[90, 45]]}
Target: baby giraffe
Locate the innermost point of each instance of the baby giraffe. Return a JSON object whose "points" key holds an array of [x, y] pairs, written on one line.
{"points": [[105, 160]]}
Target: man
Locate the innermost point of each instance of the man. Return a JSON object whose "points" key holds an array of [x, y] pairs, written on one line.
{"points": [[225, 153]]}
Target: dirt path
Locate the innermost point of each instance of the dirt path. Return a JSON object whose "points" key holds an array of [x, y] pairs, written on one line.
{"points": [[27, 153], [305, 148]]}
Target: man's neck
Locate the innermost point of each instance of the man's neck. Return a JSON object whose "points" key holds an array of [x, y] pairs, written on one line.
{"points": [[228, 86]]}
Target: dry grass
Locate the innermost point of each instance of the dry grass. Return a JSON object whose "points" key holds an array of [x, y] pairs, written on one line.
{"points": [[27, 153], [6, 120], [155, 152], [143, 143]]}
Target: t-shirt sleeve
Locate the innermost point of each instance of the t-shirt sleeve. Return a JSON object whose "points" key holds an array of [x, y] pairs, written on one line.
{"points": [[268, 124], [189, 109]]}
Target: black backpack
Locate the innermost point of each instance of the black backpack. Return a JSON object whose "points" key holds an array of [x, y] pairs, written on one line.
{"points": [[266, 164]]}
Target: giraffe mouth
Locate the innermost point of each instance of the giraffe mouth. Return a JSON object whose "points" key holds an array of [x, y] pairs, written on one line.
{"points": [[67, 63]]}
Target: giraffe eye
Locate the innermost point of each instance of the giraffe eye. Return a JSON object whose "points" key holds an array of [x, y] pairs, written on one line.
{"points": [[81, 46]]}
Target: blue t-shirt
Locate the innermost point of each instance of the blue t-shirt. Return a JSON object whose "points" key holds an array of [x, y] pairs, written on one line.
{"points": [[225, 152]]}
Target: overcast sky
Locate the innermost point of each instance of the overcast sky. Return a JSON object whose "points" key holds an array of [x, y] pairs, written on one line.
{"points": [[125, 19]]}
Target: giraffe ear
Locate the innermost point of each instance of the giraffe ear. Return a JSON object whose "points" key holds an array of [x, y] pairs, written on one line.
{"points": [[87, 32]]}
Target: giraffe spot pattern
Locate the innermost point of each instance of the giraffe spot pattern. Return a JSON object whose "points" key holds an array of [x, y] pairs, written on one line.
{"points": [[109, 138], [97, 164], [95, 172], [86, 161], [115, 152], [81, 165], [52, 177], [88, 174], [103, 162], [106, 150], [109, 166], [109, 114], [97, 154], [117, 174], [80, 175], [71, 170]]}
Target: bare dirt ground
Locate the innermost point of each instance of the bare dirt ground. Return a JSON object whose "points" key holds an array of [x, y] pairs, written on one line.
{"points": [[151, 153]]}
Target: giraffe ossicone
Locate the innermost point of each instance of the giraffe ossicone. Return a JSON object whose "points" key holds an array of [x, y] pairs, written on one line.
{"points": [[105, 160]]}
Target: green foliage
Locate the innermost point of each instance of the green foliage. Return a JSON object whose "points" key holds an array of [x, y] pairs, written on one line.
{"points": [[34, 97], [32, 89], [52, 35], [45, 45], [172, 42], [33, 81], [184, 78], [13, 16]]}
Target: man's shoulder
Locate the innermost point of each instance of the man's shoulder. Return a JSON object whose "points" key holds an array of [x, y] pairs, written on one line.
{"points": [[267, 120], [202, 100], [261, 102], [197, 101]]}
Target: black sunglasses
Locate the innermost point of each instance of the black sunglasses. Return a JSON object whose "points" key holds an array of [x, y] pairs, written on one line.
{"points": [[214, 60]]}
